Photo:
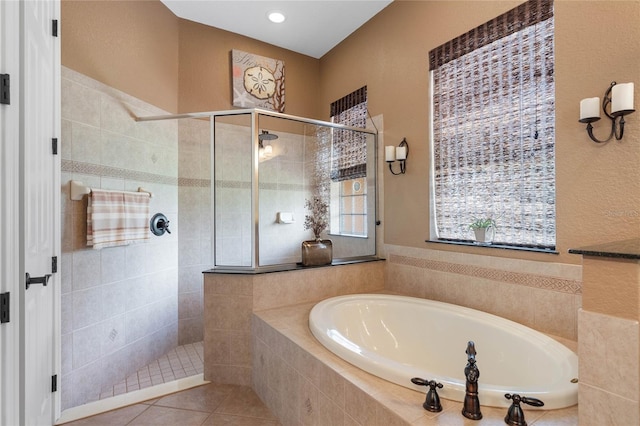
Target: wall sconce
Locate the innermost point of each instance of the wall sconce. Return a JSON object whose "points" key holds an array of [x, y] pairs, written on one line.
{"points": [[619, 99], [400, 153]]}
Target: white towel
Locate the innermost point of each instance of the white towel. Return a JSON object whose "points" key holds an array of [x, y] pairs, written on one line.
{"points": [[117, 218]]}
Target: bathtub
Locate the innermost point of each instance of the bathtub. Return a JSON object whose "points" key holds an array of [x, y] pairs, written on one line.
{"points": [[397, 338]]}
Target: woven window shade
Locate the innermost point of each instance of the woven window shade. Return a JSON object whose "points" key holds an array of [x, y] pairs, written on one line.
{"points": [[349, 150], [494, 129]]}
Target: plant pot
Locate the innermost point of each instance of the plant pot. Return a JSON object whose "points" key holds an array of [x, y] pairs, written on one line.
{"points": [[483, 235], [317, 252], [480, 234]]}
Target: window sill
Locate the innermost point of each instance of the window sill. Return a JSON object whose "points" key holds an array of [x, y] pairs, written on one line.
{"points": [[346, 235], [494, 246]]}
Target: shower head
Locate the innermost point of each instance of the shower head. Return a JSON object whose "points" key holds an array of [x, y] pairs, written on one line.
{"points": [[266, 136]]}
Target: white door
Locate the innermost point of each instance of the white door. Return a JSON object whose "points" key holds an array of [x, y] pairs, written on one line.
{"points": [[9, 213], [40, 203]]}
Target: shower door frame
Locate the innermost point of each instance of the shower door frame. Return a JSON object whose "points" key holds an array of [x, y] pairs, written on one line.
{"points": [[255, 266]]}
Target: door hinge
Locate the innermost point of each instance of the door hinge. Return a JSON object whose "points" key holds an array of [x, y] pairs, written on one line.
{"points": [[54, 264], [5, 308], [54, 28], [5, 89], [54, 383], [54, 146]]}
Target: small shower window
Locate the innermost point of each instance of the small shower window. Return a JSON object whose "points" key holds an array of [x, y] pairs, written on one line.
{"points": [[349, 166], [351, 216], [349, 149]]}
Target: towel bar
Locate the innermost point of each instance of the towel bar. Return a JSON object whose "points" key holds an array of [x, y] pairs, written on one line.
{"points": [[78, 190]]}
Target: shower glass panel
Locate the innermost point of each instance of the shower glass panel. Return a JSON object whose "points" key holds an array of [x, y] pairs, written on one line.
{"points": [[266, 165], [233, 175]]}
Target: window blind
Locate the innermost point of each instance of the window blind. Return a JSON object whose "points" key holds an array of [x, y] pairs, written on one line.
{"points": [[349, 148], [494, 129]]}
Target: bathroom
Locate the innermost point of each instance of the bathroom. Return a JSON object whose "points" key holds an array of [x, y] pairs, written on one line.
{"points": [[597, 186]]}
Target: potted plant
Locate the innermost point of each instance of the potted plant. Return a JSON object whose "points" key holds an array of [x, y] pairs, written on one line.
{"points": [[480, 228], [317, 252]]}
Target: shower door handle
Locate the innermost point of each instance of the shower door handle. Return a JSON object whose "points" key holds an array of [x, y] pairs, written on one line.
{"points": [[37, 280]]}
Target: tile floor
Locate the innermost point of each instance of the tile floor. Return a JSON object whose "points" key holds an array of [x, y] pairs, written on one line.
{"points": [[183, 361], [210, 404]]}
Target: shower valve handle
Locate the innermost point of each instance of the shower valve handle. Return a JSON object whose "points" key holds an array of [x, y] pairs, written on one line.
{"points": [[159, 224], [164, 225]]}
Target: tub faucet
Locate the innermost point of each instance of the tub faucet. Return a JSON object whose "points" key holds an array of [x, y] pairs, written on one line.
{"points": [[515, 415], [432, 401], [471, 407]]}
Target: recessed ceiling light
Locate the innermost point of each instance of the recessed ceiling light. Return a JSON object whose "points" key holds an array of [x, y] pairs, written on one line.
{"points": [[276, 17]]}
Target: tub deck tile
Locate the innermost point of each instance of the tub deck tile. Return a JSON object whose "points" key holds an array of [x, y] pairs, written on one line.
{"points": [[317, 387]]}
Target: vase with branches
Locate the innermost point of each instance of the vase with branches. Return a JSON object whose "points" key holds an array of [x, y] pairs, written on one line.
{"points": [[318, 252], [317, 219]]}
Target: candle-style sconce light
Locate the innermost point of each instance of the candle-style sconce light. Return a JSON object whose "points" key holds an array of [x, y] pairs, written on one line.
{"points": [[618, 99], [399, 153]]}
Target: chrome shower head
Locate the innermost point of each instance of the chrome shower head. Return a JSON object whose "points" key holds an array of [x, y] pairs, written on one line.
{"points": [[266, 136]]}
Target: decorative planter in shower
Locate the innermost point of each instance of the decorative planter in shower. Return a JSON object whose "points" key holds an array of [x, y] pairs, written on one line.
{"points": [[253, 177], [317, 252]]}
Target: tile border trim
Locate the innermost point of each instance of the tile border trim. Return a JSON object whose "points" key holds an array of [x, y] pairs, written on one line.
{"points": [[71, 166], [543, 282]]}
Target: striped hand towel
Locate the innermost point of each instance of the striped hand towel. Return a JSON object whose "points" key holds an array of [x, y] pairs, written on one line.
{"points": [[116, 218]]}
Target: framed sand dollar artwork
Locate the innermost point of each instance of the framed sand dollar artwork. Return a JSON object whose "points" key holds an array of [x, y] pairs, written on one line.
{"points": [[258, 82]]}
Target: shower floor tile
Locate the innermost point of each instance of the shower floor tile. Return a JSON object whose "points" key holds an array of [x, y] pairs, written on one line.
{"points": [[181, 362]]}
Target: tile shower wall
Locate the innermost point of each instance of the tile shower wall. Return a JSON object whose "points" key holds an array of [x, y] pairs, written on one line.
{"points": [[119, 304], [233, 195], [284, 184], [281, 189], [194, 196]]}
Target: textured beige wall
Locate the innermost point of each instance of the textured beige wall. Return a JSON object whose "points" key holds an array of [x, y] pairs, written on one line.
{"points": [[611, 287], [598, 186], [143, 49], [128, 45], [205, 71]]}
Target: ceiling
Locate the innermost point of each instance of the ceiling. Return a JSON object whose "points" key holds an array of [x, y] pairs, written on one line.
{"points": [[312, 27]]}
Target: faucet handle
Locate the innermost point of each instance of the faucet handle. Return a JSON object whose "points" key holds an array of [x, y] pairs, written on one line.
{"points": [[534, 402], [515, 415], [432, 401]]}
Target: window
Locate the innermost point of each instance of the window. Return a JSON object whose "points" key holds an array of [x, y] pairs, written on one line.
{"points": [[493, 129], [351, 215], [349, 166]]}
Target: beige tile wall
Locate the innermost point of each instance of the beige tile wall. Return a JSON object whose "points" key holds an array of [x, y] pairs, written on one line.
{"points": [[282, 188], [230, 300], [305, 384], [194, 198], [543, 296], [119, 304], [609, 372]]}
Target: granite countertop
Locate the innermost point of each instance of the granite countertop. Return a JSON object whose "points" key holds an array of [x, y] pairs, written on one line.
{"points": [[626, 249], [286, 267]]}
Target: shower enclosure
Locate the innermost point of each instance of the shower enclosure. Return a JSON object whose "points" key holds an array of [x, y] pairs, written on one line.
{"points": [[265, 165]]}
